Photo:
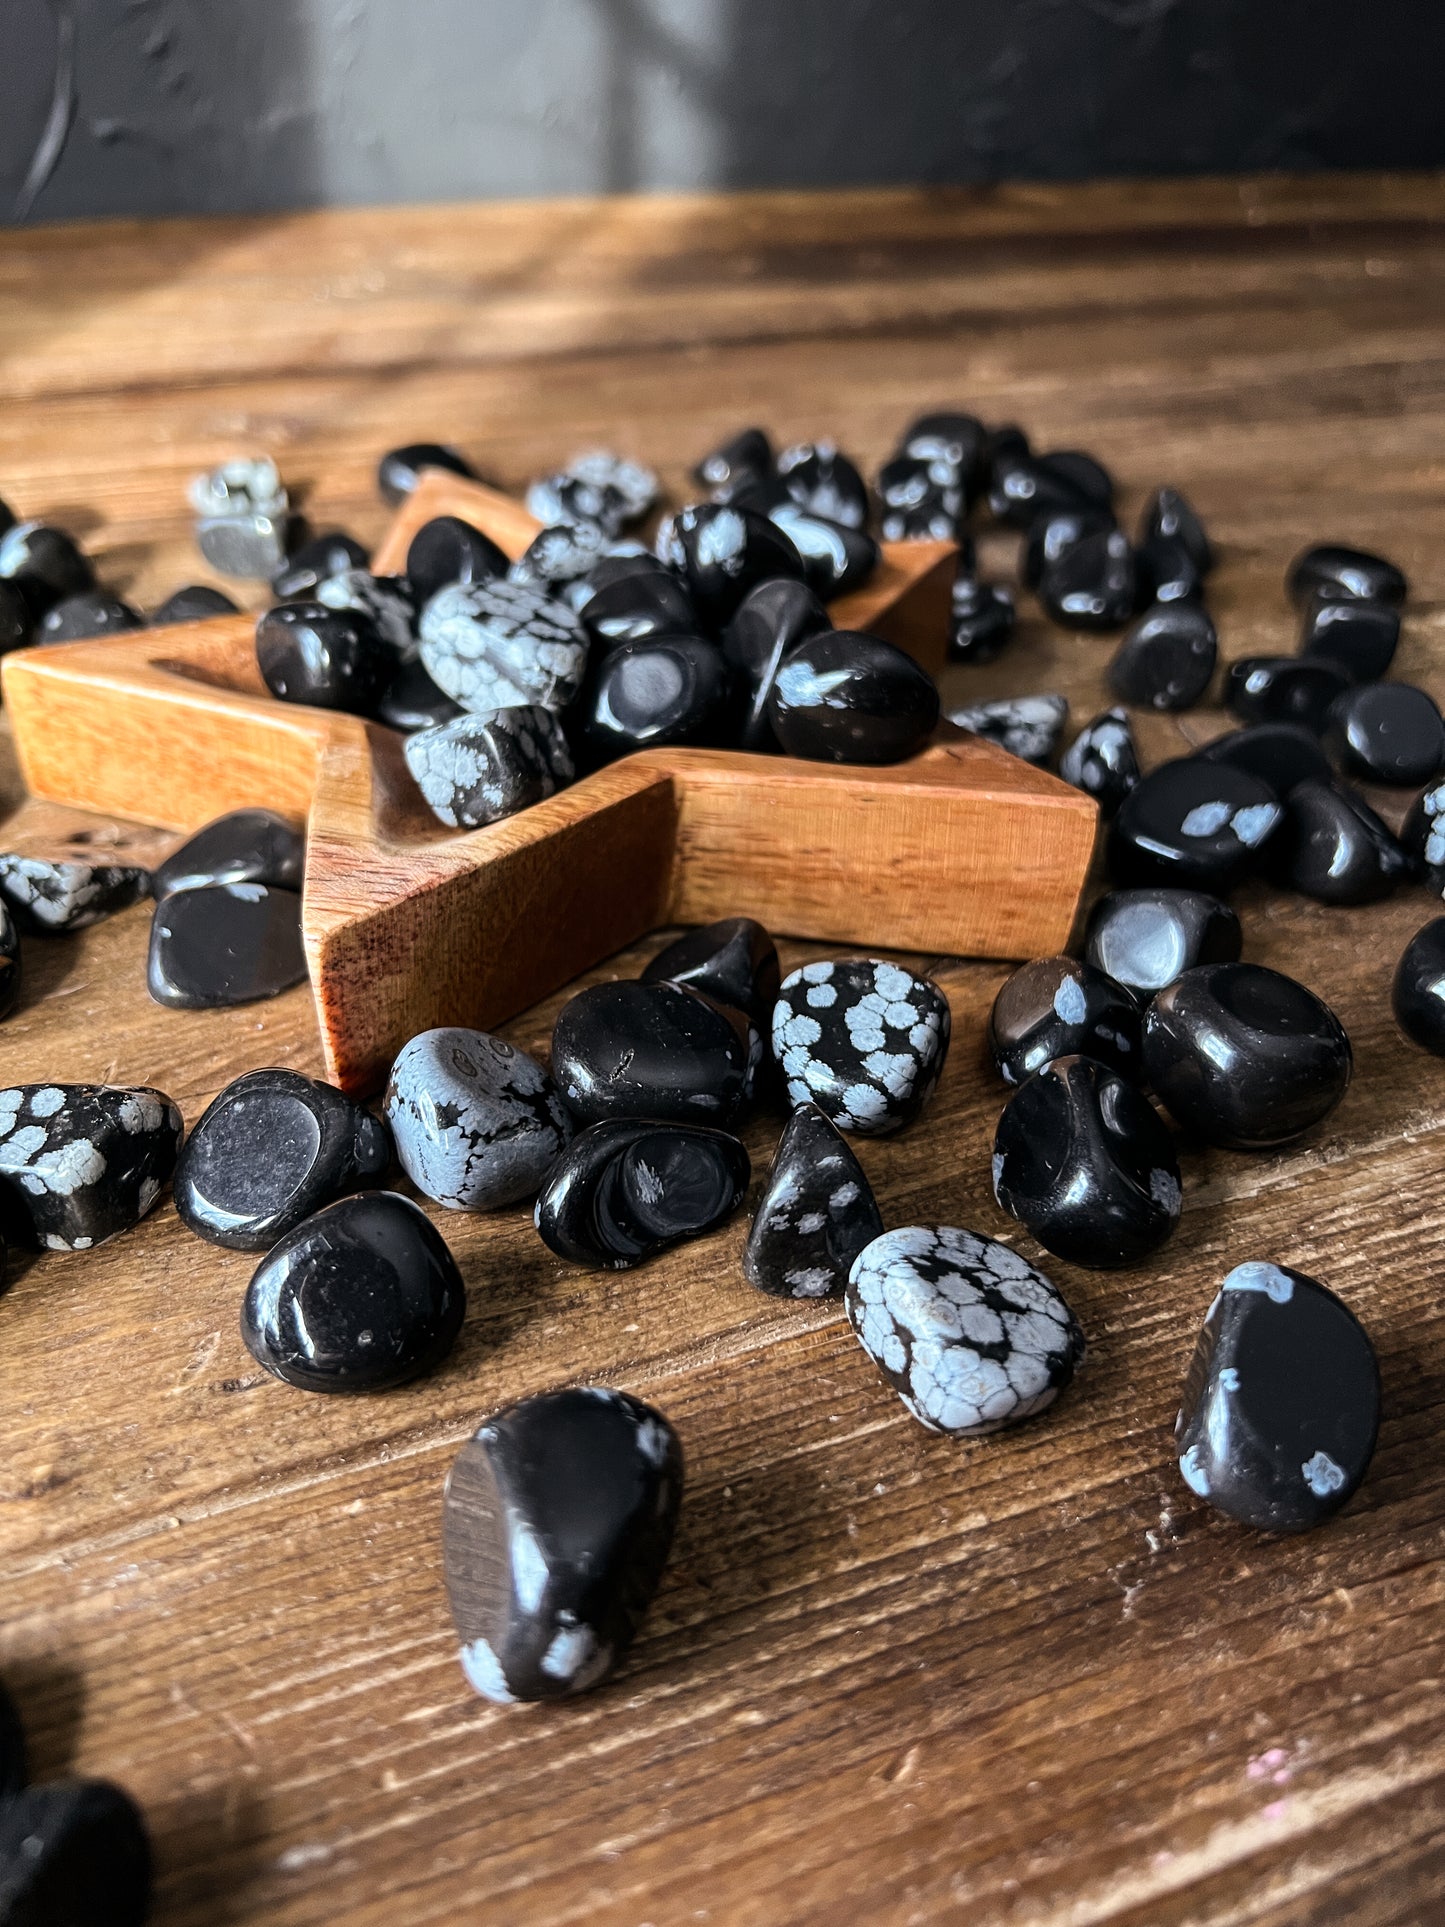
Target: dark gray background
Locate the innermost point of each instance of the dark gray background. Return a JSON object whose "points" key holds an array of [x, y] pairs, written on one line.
{"points": [[201, 105]]}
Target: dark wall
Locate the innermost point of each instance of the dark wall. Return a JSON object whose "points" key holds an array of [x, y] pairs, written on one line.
{"points": [[234, 104]]}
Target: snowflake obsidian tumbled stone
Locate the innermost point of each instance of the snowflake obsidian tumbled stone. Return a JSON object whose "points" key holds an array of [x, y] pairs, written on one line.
{"points": [[626, 1189], [1056, 1006], [48, 896], [733, 961], [497, 645], [1144, 939], [1103, 760], [970, 1336], [480, 767], [221, 944], [73, 1853], [816, 1215], [654, 1050], [245, 846], [862, 1039], [80, 1163], [1282, 1403], [556, 1524], [477, 1122]]}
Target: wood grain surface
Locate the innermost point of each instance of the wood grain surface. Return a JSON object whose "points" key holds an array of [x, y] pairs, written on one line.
{"points": [[1025, 1682]]}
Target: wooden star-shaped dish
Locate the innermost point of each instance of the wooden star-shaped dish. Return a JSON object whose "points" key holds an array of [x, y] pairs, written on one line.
{"points": [[963, 850]]}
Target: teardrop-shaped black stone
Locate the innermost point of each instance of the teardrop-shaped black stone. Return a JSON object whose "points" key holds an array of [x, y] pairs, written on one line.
{"points": [[447, 550], [1103, 760], [1334, 848], [734, 962], [816, 1213], [1166, 659]]}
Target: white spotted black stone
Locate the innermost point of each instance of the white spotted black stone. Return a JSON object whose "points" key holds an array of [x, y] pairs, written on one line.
{"points": [[862, 1039], [563, 553], [400, 469], [480, 767], [1345, 574], [1056, 1007], [1358, 637], [308, 566], [627, 1189], [1281, 1406], [93, 612], [823, 482], [837, 557], [477, 1123], [220, 944], [73, 1853], [1026, 726], [1167, 658], [10, 963], [499, 645], [1103, 760], [968, 1334], [981, 620], [556, 1524], [389, 600], [49, 896], [1193, 822], [80, 1163], [815, 1216], [1422, 835], [272, 1148]]}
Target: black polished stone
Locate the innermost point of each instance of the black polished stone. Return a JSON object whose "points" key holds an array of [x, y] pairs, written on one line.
{"points": [[1358, 637], [1083, 1160], [722, 552], [1093, 585], [245, 846], [1103, 760], [361, 1296], [1279, 754], [10, 967], [17, 625], [1144, 939], [221, 944], [12, 1734], [389, 600], [53, 896], [657, 1050], [1168, 517], [1166, 659], [412, 701], [1283, 689], [627, 1189], [1059, 1007], [328, 658], [950, 441], [770, 621], [623, 562], [636, 606], [7, 517], [981, 620], [73, 1853], [1167, 572], [447, 550], [821, 480], [836, 557], [1200, 824], [44, 566], [1418, 993], [1422, 835], [745, 456], [930, 520], [1343, 573], [1334, 848], [1023, 486], [1281, 1406], [1386, 732], [196, 602], [556, 1523], [563, 553], [644, 695], [80, 1163], [478, 768], [1028, 727], [920, 500], [399, 470], [735, 962], [1086, 472], [1054, 533], [90, 613], [845, 697], [1243, 1056], [598, 490], [273, 1148], [816, 1213], [862, 1039], [323, 556]]}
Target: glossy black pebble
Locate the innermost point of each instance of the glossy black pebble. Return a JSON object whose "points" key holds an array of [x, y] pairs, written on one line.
{"points": [[1332, 570], [1243, 1056], [359, 1297], [951, 440], [73, 1853], [44, 565], [816, 1213], [1195, 823], [315, 562], [244, 846], [632, 608], [1282, 1402], [1056, 1007], [836, 558], [746, 456], [221, 944], [1358, 637], [1283, 689], [1418, 993], [770, 622], [17, 625], [93, 612], [1024, 486], [447, 550], [1422, 835], [1082, 1159], [1387, 732], [399, 469], [1146, 938], [1334, 848], [863, 1039], [644, 695], [723, 552], [1169, 517], [10, 965], [412, 702], [845, 697], [823, 482], [1279, 754], [654, 1050], [196, 602], [626, 1189], [1054, 534], [269, 1151], [734, 962], [556, 1524], [1167, 658], [1093, 585], [12, 1747], [80, 1163], [1103, 760], [981, 620], [329, 658]]}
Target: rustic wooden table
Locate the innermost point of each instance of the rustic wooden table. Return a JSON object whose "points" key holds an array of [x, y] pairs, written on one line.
{"points": [[888, 1678]]}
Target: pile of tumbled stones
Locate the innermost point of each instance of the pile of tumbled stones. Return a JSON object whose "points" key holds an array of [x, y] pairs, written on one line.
{"points": [[506, 677]]}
